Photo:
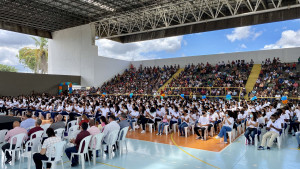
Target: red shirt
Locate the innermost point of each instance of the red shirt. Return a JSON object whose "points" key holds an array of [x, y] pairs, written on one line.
{"points": [[83, 121], [80, 137], [33, 130]]}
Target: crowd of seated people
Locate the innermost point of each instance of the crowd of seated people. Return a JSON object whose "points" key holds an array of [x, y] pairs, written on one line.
{"points": [[87, 127], [277, 79], [142, 80], [232, 74], [211, 115]]}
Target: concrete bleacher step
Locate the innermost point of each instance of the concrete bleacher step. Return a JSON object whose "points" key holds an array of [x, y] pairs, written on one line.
{"points": [[252, 79], [170, 80]]}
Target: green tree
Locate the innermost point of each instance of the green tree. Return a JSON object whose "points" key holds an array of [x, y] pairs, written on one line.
{"points": [[6, 68], [35, 59]]}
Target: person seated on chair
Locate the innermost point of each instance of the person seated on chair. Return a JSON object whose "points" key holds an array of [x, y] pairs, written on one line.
{"points": [[37, 127], [274, 127], [84, 133], [123, 123], [165, 121], [28, 122], [184, 123], [93, 130], [227, 125], [102, 124], [45, 153], [111, 126], [203, 124], [11, 133], [84, 119], [251, 125], [149, 118], [133, 116], [58, 123]]}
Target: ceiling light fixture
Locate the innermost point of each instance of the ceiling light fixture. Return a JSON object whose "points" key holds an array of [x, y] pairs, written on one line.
{"points": [[98, 4]]}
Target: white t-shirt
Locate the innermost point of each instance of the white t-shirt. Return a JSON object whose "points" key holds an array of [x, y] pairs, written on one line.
{"points": [[104, 111], [231, 120], [203, 120], [134, 114], [276, 124], [252, 123], [176, 114]]}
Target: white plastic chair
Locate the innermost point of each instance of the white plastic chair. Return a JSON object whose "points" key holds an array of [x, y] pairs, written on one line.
{"points": [[72, 132], [122, 138], [18, 146], [150, 125], [96, 144], [37, 134], [71, 123], [112, 139], [83, 151], [59, 132], [59, 152], [35, 146], [175, 125], [2, 135], [45, 127], [166, 129]]}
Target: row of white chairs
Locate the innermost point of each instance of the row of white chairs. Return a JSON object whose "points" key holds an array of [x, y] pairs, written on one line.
{"points": [[35, 146]]}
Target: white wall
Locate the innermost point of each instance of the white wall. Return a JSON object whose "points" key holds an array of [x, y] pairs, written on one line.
{"points": [[285, 55], [71, 52], [107, 68]]}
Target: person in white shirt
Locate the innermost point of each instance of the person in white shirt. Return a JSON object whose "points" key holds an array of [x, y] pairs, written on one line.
{"points": [[203, 124], [149, 118], [251, 125], [274, 127], [132, 117], [184, 122], [111, 126], [227, 125]]}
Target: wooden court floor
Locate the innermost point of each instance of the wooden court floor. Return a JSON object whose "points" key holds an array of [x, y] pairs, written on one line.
{"points": [[211, 144]]}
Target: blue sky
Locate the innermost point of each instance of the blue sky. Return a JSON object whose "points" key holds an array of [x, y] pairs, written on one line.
{"points": [[251, 38]]}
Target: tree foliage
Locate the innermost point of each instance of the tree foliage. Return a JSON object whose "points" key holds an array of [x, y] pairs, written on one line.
{"points": [[6, 68], [35, 59]]}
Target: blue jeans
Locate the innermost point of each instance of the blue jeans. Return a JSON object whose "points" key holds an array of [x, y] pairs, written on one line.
{"points": [[181, 128], [162, 126], [130, 122], [71, 150], [251, 132], [298, 137], [223, 132]]}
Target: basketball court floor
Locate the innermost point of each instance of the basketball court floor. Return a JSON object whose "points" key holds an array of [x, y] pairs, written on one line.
{"points": [[148, 151]]}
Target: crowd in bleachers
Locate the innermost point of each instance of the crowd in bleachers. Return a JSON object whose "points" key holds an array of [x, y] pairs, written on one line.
{"points": [[277, 79], [142, 80], [232, 74]]}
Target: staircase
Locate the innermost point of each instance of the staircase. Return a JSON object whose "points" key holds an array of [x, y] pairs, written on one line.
{"points": [[170, 80], [252, 79]]}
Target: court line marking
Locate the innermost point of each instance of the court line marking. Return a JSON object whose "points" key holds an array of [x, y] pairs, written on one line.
{"points": [[191, 154], [110, 165], [295, 149]]}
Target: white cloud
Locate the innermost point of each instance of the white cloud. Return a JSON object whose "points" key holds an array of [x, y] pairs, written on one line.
{"points": [[10, 43], [243, 46], [243, 33], [138, 50], [288, 39]]}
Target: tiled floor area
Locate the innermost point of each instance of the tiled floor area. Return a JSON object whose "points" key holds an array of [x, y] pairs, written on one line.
{"points": [[151, 155]]}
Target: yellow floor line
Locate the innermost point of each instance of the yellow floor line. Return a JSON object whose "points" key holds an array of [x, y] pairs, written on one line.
{"points": [[110, 165], [294, 148], [191, 154]]}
